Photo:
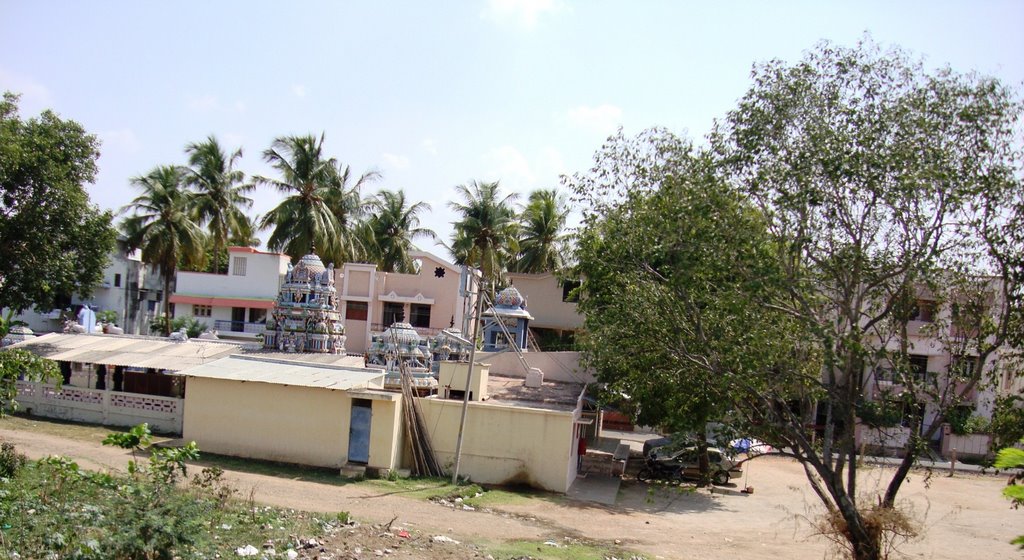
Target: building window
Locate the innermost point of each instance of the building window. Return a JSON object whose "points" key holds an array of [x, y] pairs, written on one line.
{"points": [[356, 310], [117, 280], [257, 315], [919, 368], [202, 310], [238, 266], [419, 315], [568, 287], [962, 366], [393, 313], [924, 312]]}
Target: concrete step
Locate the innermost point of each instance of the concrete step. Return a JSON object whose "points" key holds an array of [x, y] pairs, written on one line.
{"points": [[353, 471]]}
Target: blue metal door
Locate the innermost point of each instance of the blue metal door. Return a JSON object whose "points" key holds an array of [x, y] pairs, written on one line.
{"points": [[359, 431]]}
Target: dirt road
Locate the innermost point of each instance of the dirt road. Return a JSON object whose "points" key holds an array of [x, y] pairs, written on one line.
{"points": [[964, 516]]}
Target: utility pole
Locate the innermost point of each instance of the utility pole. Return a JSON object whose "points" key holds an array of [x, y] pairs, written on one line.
{"points": [[469, 375]]}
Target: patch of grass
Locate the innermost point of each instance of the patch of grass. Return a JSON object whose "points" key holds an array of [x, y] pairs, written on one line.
{"points": [[71, 430], [423, 488], [496, 497], [290, 471], [566, 549]]}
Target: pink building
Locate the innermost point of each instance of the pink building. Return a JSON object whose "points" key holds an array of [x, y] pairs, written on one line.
{"points": [[430, 300]]}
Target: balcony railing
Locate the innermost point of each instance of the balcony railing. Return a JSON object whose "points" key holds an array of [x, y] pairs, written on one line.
{"points": [[239, 326]]}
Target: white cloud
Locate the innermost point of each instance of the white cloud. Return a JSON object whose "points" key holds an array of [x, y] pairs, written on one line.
{"points": [[603, 118], [522, 12], [430, 146], [299, 90], [120, 140], [34, 95], [395, 161], [203, 102], [240, 106], [510, 166]]}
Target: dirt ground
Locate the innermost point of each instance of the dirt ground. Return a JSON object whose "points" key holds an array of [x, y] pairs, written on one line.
{"points": [[963, 516]]}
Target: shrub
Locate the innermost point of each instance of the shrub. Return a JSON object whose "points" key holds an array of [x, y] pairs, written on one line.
{"points": [[18, 364], [106, 316], [957, 418], [976, 424], [10, 460], [193, 328], [1007, 426], [879, 414]]}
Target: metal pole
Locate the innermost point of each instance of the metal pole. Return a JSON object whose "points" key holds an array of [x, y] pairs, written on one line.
{"points": [[469, 376]]}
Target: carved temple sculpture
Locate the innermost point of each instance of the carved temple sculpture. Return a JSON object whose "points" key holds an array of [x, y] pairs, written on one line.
{"points": [[305, 316]]}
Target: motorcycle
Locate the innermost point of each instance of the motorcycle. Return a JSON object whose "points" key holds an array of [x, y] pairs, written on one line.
{"points": [[660, 471]]}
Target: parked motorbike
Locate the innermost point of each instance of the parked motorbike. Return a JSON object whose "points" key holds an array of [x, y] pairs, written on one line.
{"points": [[660, 471]]}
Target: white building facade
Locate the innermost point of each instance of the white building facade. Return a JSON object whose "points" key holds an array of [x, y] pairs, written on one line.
{"points": [[235, 304]]}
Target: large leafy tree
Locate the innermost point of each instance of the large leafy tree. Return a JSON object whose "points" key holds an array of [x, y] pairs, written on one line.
{"points": [[391, 228], [54, 242], [676, 273], [163, 225], [485, 235], [542, 232], [877, 184], [882, 181], [220, 191], [320, 209]]}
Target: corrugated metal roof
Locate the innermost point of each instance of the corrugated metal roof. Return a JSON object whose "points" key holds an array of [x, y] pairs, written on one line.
{"points": [[127, 350], [307, 357], [284, 372]]}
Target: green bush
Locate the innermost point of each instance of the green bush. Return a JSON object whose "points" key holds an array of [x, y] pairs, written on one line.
{"points": [[52, 508], [106, 316], [976, 424], [10, 460], [879, 414], [1007, 426], [193, 328], [957, 419]]}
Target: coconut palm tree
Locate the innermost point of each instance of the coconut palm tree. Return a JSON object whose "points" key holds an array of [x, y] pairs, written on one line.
{"points": [[391, 229], [308, 218], [485, 234], [244, 232], [541, 239], [350, 210], [163, 225], [220, 191]]}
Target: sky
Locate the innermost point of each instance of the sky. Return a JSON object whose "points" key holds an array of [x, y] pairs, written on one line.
{"points": [[436, 94]]}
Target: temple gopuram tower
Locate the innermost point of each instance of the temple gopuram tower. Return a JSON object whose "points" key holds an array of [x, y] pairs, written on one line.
{"points": [[306, 316]]}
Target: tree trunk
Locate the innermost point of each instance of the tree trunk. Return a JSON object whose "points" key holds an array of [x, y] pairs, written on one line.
{"points": [[167, 305], [864, 543]]}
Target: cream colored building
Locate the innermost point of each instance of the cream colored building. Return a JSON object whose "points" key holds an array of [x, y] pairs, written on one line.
{"points": [[294, 412], [553, 306], [335, 416]]}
